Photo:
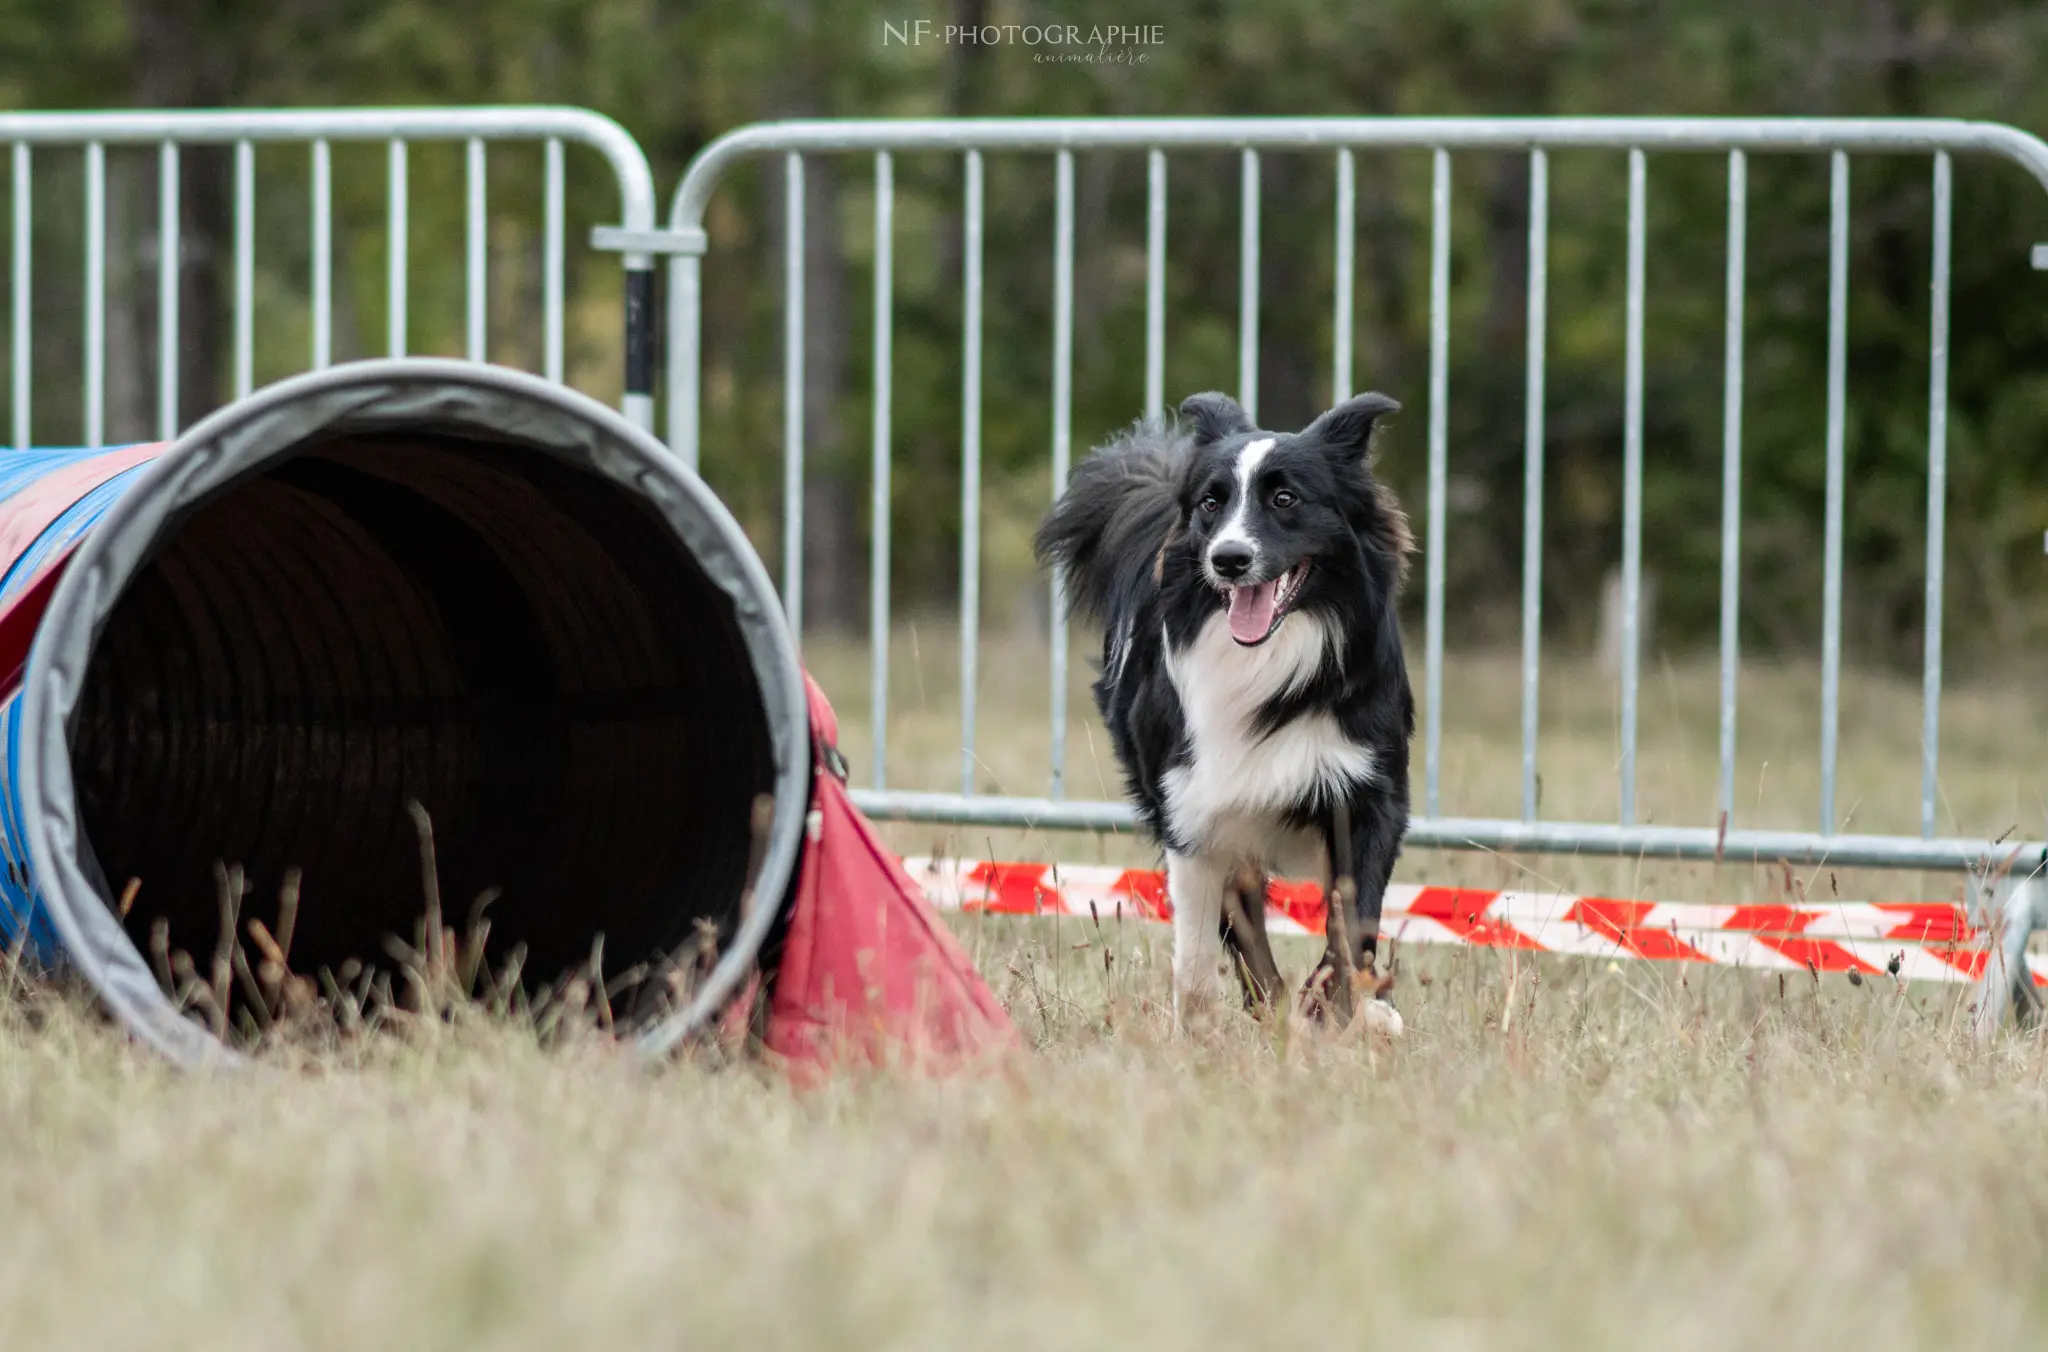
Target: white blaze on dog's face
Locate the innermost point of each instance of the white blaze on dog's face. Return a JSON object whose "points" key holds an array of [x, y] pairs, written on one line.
{"points": [[1266, 510]]}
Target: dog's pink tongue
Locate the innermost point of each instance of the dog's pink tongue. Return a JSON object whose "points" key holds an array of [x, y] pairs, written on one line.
{"points": [[1251, 611]]}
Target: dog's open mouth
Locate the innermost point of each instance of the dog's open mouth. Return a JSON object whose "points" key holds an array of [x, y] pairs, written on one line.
{"points": [[1256, 611]]}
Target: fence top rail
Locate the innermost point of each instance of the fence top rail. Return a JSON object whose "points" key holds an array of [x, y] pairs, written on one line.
{"points": [[221, 125], [1893, 135], [1986, 858]]}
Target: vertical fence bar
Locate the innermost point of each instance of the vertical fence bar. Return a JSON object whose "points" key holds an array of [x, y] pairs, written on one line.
{"points": [[551, 266], [323, 257], [1731, 470], [169, 263], [1937, 492], [1340, 320], [884, 376], [1831, 597], [1632, 490], [1155, 283], [1248, 285], [245, 268], [1439, 457], [793, 392], [685, 362], [970, 470], [477, 222], [1532, 471], [20, 290], [395, 243], [1062, 438], [95, 292]]}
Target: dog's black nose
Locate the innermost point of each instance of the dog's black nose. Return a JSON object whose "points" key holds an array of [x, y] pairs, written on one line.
{"points": [[1230, 561]]}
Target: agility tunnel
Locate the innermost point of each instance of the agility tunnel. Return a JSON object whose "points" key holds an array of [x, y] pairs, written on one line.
{"points": [[391, 582]]}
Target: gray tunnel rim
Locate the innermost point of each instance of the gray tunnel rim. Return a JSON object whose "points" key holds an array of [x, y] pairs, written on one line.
{"points": [[247, 437]]}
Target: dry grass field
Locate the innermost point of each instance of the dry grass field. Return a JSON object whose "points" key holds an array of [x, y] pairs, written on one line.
{"points": [[1556, 1155]]}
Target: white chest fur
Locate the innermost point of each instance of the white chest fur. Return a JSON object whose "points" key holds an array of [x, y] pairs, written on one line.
{"points": [[1238, 781]]}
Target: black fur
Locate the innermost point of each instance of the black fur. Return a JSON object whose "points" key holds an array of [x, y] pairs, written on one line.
{"points": [[1132, 534]]}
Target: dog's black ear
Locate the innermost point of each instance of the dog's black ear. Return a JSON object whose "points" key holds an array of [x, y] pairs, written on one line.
{"points": [[1213, 416], [1347, 429]]}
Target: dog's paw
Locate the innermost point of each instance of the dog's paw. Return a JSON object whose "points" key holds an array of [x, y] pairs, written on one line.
{"points": [[1197, 1010], [1378, 1016]]}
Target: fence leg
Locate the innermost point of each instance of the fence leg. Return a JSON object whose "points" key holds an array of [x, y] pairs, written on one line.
{"points": [[2009, 907], [638, 404]]}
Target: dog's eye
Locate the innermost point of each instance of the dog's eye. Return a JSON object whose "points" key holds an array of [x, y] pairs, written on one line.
{"points": [[1283, 498], [1211, 503]]}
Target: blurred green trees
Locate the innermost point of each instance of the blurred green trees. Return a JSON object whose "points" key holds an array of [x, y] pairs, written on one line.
{"points": [[677, 75]]}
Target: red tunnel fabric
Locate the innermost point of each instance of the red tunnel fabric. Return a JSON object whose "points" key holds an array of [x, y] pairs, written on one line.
{"points": [[26, 516], [869, 973]]}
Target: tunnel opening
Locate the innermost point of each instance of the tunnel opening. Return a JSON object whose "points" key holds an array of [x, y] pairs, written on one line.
{"points": [[522, 646]]}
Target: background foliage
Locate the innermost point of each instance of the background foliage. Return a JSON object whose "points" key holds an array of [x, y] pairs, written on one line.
{"points": [[676, 75]]}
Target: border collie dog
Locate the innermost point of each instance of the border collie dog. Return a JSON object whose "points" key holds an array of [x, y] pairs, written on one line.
{"points": [[1252, 677]]}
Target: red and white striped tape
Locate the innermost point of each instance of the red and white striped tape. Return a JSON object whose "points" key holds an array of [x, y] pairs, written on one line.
{"points": [[1931, 941]]}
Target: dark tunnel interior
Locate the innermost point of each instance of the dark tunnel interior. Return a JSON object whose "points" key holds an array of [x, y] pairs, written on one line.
{"points": [[522, 646]]}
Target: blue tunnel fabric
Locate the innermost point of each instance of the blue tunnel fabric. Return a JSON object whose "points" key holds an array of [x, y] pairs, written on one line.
{"points": [[20, 912]]}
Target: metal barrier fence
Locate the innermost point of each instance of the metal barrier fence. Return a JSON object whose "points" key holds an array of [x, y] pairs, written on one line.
{"points": [[399, 128], [1343, 136]]}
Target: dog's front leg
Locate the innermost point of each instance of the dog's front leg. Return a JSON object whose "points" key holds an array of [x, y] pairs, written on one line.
{"points": [[1378, 822], [1244, 940], [1194, 884]]}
